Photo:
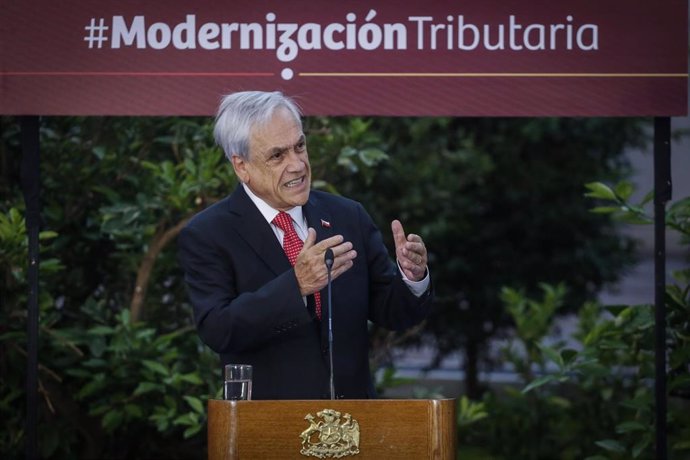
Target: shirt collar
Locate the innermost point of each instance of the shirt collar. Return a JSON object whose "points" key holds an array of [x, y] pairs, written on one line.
{"points": [[269, 213]]}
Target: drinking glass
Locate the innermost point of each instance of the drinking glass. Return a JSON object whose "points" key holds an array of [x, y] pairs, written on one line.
{"points": [[238, 382]]}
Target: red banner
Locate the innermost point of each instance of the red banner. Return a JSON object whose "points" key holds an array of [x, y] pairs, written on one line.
{"points": [[385, 57]]}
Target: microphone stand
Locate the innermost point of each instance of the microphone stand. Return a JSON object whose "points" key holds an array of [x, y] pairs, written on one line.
{"points": [[329, 265]]}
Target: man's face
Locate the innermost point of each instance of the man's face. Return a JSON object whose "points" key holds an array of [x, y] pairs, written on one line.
{"points": [[278, 167]]}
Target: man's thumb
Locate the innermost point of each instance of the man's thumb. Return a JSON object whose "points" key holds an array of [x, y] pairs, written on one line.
{"points": [[311, 238], [398, 233]]}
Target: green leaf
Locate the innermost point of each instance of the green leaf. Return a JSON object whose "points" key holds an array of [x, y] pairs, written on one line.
{"points": [[99, 409], [543, 380], [112, 420], [682, 445], [191, 431], [14, 335], [569, 355], [170, 403], [605, 209], [156, 367], [192, 378], [93, 387], [145, 334], [186, 419], [124, 317], [98, 346], [634, 219], [601, 191], [611, 445], [372, 156], [146, 387], [134, 411], [613, 345], [46, 235], [624, 189], [629, 426], [641, 403], [641, 445], [101, 330], [552, 355], [99, 152], [195, 404], [682, 276], [80, 373], [560, 402], [470, 412]]}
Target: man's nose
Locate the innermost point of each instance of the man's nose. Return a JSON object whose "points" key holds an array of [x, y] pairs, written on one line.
{"points": [[296, 160]]}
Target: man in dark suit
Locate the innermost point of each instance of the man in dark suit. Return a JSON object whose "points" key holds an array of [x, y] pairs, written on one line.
{"points": [[255, 272]]}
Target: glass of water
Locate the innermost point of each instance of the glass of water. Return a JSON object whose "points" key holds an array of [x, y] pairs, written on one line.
{"points": [[238, 382]]}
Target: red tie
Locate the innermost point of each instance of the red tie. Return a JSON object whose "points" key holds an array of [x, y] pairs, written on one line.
{"points": [[292, 245]]}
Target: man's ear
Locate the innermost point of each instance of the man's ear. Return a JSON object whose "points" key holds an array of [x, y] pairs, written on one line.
{"points": [[240, 167]]}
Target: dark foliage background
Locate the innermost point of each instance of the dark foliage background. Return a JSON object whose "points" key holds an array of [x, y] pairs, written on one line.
{"points": [[499, 203]]}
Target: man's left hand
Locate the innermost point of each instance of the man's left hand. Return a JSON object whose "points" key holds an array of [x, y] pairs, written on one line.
{"points": [[410, 252]]}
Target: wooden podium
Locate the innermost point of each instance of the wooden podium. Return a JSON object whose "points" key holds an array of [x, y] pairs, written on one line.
{"points": [[358, 429]]}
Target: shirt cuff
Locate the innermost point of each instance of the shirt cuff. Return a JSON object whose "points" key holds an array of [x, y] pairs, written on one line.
{"points": [[416, 287]]}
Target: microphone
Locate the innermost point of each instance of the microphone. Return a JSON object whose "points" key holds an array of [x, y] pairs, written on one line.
{"points": [[329, 259]]}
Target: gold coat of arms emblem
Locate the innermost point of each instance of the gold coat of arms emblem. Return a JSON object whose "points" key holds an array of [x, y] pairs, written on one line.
{"points": [[330, 437]]}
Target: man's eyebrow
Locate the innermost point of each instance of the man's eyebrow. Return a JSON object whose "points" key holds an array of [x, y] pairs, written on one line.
{"points": [[275, 150]]}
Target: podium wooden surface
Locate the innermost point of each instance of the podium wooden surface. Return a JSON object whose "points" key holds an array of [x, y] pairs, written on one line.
{"points": [[389, 428]]}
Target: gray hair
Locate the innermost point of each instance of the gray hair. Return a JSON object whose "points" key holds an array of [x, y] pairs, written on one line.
{"points": [[239, 112]]}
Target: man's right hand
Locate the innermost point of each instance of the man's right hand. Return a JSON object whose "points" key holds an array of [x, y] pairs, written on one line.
{"points": [[310, 268]]}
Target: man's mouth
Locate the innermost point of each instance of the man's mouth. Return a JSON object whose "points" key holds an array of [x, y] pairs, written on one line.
{"points": [[295, 182]]}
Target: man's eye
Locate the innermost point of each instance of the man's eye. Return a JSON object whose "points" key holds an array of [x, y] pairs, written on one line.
{"points": [[299, 147]]}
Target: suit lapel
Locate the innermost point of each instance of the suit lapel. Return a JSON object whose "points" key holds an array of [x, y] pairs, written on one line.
{"points": [[319, 218], [253, 228]]}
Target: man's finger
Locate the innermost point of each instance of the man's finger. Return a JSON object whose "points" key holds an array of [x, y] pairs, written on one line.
{"points": [[342, 268], [413, 238], [328, 242], [398, 233], [341, 248], [414, 249]]}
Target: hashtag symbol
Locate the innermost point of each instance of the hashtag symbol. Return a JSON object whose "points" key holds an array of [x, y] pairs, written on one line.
{"points": [[96, 33]]}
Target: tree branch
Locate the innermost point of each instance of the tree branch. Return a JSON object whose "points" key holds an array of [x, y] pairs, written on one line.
{"points": [[159, 242]]}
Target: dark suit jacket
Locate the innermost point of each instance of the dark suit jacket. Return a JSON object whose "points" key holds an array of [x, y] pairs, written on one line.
{"points": [[248, 307]]}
